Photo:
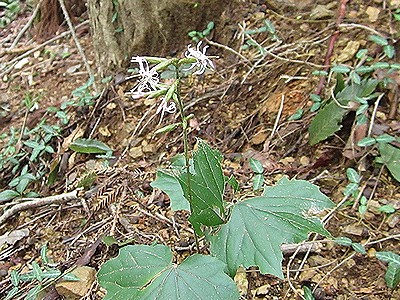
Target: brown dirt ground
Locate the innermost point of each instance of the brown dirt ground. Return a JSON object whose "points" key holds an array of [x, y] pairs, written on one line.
{"points": [[235, 110]]}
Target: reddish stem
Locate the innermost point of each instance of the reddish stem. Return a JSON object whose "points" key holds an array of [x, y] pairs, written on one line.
{"points": [[331, 45]]}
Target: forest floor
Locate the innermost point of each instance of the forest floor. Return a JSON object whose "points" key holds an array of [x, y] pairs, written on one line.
{"points": [[245, 109]]}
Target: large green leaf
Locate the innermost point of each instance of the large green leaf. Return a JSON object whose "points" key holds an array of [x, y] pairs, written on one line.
{"points": [[390, 157], [259, 226], [170, 185], [89, 146], [326, 122], [205, 188], [328, 119], [132, 269], [392, 275], [147, 272]]}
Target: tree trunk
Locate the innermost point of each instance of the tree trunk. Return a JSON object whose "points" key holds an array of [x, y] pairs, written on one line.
{"points": [[125, 28]]}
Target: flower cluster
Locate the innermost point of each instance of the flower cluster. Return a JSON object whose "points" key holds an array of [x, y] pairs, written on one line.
{"points": [[202, 60], [149, 79]]}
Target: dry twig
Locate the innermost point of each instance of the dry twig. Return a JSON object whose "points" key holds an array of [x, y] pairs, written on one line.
{"points": [[37, 202], [78, 45]]}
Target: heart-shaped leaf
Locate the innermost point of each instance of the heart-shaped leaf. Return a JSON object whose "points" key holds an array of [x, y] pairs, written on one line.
{"points": [[147, 272], [259, 226]]}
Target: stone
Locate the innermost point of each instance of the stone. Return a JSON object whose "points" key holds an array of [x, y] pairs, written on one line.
{"points": [[74, 290], [373, 13], [349, 51]]}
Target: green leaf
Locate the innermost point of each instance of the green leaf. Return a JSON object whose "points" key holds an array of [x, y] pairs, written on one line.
{"points": [[147, 272], [390, 157], [350, 189], [32, 293], [361, 53], [364, 69], [37, 271], [89, 146], [8, 195], [388, 257], [71, 277], [319, 73], [206, 188], [326, 122], [343, 241], [51, 273], [315, 106], [10, 295], [352, 175], [234, 183], [258, 182], [315, 98], [197, 277], [132, 269], [385, 138], [43, 254], [328, 119], [366, 142], [387, 209], [170, 185], [340, 69], [354, 77], [297, 115], [392, 276], [308, 294], [389, 51], [381, 65], [168, 128], [259, 226], [377, 39], [14, 277], [256, 165], [358, 248]]}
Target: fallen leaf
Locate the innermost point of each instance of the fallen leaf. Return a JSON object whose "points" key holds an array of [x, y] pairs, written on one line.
{"points": [[12, 237]]}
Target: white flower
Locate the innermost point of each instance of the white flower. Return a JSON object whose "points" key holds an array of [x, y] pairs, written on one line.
{"points": [[202, 61], [149, 80], [166, 107]]}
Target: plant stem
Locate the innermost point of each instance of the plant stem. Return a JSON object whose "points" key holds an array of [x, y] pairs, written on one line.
{"points": [[185, 146]]}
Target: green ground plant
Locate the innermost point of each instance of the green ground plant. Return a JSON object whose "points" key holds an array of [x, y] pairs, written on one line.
{"points": [[241, 232], [196, 36], [26, 150], [11, 10], [41, 277], [358, 91]]}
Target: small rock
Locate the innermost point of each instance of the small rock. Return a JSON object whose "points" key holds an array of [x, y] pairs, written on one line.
{"points": [[394, 3], [320, 12], [19, 65], [241, 281], [355, 229], [349, 51], [73, 69], [74, 290], [350, 263], [373, 13], [316, 261], [304, 161], [307, 275], [393, 220], [259, 138], [262, 290], [104, 131], [136, 152]]}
